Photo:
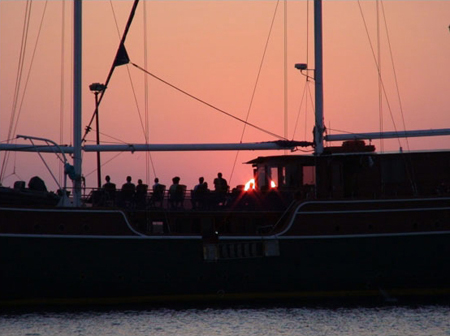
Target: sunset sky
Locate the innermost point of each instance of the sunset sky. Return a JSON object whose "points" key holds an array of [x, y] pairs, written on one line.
{"points": [[214, 50]]}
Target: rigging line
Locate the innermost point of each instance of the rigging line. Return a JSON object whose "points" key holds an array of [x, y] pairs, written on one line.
{"points": [[208, 104], [27, 80], [113, 66], [145, 129], [379, 73], [341, 131], [14, 173], [45, 163], [109, 136], [71, 78], [394, 71], [15, 161], [104, 164], [115, 18], [106, 142], [410, 167], [307, 86], [8, 140], [380, 95], [300, 108], [313, 107], [308, 16], [307, 31], [61, 106], [148, 155], [136, 102], [260, 69], [256, 84], [14, 123], [20, 63], [285, 51]]}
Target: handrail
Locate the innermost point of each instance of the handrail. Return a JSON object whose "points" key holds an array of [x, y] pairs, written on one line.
{"points": [[64, 199]]}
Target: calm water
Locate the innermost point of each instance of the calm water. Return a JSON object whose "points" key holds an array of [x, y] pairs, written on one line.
{"points": [[391, 320]]}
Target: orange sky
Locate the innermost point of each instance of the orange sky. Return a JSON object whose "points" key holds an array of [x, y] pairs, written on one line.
{"points": [[213, 50]]}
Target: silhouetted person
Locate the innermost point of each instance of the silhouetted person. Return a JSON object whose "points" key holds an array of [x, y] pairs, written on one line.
{"points": [[175, 183], [109, 185], [128, 186], [158, 193], [176, 193], [155, 186], [220, 184], [141, 194], [221, 189], [198, 194], [37, 184], [127, 193], [108, 193], [141, 188], [202, 185]]}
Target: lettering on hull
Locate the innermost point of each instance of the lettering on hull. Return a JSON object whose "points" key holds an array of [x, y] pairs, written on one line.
{"points": [[241, 250]]}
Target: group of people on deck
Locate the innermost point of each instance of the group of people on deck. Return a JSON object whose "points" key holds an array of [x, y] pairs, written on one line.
{"points": [[129, 191], [176, 193]]}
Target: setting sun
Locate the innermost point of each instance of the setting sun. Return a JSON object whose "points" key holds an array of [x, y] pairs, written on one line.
{"points": [[250, 185]]}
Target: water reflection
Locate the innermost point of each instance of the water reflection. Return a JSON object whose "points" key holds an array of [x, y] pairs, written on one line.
{"points": [[247, 321]]}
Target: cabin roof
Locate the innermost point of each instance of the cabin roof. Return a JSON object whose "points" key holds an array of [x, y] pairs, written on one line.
{"points": [[283, 159], [310, 159]]}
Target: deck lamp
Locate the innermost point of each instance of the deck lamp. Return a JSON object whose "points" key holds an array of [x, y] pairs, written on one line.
{"points": [[97, 88]]}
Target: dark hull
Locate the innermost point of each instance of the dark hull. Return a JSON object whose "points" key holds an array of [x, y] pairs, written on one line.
{"points": [[127, 267]]}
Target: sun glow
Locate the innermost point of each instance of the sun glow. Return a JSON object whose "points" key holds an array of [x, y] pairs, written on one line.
{"points": [[250, 185]]}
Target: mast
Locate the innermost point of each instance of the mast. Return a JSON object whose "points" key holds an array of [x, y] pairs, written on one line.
{"points": [[77, 52], [318, 78]]}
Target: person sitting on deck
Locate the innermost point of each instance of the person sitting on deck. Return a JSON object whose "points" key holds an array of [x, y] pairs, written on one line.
{"points": [[158, 193], [221, 189], [109, 185], [108, 192], [127, 192], [176, 193], [37, 184], [198, 194], [128, 186], [141, 194], [155, 186]]}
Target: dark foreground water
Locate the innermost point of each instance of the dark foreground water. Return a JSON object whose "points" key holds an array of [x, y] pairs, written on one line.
{"points": [[433, 320]]}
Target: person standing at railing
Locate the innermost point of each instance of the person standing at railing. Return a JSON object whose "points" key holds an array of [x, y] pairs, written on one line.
{"points": [[141, 194]]}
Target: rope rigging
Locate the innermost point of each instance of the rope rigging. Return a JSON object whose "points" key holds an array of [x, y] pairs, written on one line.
{"points": [[255, 86], [307, 88], [62, 81], [377, 65], [123, 58], [120, 59], [17, 108], [208, 104], [409, 168]]}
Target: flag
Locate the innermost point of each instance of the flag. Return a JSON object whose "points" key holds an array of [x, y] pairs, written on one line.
{"points": [[121, 56]]}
